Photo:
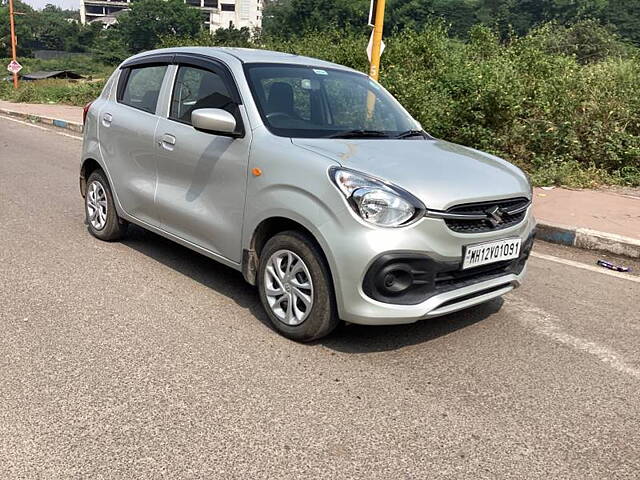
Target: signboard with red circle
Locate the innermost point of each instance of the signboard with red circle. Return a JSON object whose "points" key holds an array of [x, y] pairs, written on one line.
{"points": [[14, 67]]}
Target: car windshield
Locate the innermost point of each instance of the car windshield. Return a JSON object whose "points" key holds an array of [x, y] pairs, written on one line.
{"points": [[311, 102]]}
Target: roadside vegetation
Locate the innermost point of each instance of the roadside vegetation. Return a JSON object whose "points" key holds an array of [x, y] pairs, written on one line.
{"points": [[52, 91], [70, 92], [561, 100], [84, 64]]}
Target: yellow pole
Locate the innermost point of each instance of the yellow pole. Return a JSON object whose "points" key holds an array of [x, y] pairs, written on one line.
{"points": [[13, 41], [374, 69]]}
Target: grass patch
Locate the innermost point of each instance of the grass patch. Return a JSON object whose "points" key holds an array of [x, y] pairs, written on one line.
{"points": [[68, 92], [52, 91], [81, 64]]}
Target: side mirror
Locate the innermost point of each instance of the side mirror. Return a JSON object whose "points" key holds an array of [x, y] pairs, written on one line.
{"points": [[214, 120]]}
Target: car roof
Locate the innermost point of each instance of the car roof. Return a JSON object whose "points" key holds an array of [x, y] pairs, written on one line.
{"points": [[250, 55]]}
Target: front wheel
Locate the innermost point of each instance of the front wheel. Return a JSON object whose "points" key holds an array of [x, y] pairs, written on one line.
{"points": [[102, 219], [295, 288]]}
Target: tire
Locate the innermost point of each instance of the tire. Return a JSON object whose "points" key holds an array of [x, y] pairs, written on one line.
{"points": [[282, 254], [103, 222]]}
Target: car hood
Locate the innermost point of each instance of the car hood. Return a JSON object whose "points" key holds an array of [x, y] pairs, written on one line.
{"points": [[439, 173]]}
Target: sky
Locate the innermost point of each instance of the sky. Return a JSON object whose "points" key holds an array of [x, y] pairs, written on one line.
{"points": [[64, 4]]}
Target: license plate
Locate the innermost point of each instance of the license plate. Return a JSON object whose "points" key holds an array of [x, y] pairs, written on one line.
{"points": [[491, 252]]}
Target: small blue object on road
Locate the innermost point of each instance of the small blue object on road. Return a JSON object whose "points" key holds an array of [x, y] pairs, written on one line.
{"points": [[611, 266]]}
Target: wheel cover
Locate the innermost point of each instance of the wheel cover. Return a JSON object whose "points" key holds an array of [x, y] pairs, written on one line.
{"points": [[288, 287], [96, 205]]}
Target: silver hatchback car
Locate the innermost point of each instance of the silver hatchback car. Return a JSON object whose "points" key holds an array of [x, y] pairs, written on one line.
{"points": [[310, 179]]}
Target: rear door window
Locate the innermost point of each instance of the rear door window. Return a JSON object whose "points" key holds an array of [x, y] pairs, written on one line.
{"points": [[142, 87]]}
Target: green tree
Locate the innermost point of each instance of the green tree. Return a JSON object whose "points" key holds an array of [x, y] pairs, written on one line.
{"points": [[290, 18], [48, 29], [569, 11], [148, 20], [588, 41], [232, 37], [109, 47], [223, 37], [52, 30], [624, 15], [461, 15], [403, 14], [520, 16], [86, 38], [24, 29]]}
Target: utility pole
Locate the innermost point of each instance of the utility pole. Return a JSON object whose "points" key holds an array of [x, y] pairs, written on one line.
{"points": [[378, 23], [13, 42]]}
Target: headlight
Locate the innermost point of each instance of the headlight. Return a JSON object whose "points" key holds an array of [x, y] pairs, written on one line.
{"points": [[376, 201]]}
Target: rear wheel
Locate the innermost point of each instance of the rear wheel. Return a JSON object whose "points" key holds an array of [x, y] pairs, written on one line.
{"points": [[295, 288], [102, 219]]}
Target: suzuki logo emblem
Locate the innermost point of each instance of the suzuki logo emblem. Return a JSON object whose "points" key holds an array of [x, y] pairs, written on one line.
{"points": [[494, 216]]}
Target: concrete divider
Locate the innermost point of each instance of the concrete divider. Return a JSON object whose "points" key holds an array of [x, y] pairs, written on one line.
{"points": [[67, 125], [589, 239]]}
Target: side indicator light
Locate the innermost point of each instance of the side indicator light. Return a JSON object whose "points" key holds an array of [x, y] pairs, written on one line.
{"points": [[256, 172]]}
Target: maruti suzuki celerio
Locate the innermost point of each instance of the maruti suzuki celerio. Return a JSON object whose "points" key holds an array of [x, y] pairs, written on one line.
{"points": [[310, 179]]}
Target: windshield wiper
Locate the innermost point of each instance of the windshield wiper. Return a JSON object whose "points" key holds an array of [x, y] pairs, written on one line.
{"points": [[412, 133], [359, 133]]}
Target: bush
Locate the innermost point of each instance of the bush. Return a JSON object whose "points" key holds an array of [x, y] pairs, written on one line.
{"points": [[52, 91], [563, 103], [82, 64], [587, 41], [70, 92], [223, 37], [566, 115]]}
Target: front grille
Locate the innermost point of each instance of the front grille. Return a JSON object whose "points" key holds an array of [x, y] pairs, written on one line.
{"points": [[489, 224], [455, 278]]}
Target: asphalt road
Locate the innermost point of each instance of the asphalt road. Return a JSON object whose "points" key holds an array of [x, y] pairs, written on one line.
{"points": [[142, 359]]}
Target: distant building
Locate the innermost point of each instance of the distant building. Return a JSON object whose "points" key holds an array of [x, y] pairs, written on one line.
{"points": [[215, 13]]}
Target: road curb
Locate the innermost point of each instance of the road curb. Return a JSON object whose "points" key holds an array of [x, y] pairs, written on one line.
{"points": [[588, 239], [65, 124]]}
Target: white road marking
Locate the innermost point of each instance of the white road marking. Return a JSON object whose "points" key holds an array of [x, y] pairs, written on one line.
{"points": [[39, 127], [546, 324], [584, 266]]}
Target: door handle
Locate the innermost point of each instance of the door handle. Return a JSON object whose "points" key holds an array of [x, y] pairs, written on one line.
{"points": [[107, 118], [167, 141]]}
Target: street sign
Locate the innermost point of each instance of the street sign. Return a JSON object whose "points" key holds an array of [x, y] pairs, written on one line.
{"points": [[376, 45], [370, 47], [14, 66], [372, 13]]}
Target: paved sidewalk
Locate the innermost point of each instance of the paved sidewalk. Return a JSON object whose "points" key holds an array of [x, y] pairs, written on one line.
{"points": [[600, 210], [59, 112]]}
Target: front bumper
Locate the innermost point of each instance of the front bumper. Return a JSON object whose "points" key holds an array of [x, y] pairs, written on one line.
{"points": [[379, 313], [430, 238]]}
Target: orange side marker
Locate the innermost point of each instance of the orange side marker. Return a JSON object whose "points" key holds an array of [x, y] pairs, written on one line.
{"points": [[256, 172]]}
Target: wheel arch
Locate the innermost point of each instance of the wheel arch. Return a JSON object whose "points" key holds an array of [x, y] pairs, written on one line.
{"points": [[265, 230], [89, 165]]}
